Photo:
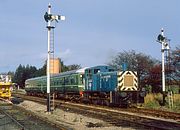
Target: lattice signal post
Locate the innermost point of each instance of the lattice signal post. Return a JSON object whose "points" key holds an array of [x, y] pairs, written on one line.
{"points": [[50, 18]]}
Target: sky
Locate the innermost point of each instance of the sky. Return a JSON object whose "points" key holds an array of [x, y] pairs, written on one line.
{"points": [[93, 32]]}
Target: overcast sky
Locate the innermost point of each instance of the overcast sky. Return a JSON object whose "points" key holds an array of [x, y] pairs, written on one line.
{"points": [[94, 30]]}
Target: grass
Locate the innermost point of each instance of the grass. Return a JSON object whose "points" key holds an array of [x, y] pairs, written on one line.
{"points": [[176, 102], [154, 101]]}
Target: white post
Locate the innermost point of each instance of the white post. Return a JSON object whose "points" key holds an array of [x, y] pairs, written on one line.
{"points": [[49, 18], [163, 68], [48, 61]]}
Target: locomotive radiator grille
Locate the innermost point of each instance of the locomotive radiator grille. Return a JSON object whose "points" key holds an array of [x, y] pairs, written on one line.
{"points": [[127, 80]]}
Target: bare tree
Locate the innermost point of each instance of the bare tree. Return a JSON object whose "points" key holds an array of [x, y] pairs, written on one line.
{"points": [[135, 61]]}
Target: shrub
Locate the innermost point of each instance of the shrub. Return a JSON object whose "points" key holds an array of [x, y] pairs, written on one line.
{"points": [[176, 102], [152, 100], [155, 101]]}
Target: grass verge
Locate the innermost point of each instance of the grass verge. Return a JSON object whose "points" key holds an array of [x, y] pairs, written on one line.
{"points": [[154, 101]]}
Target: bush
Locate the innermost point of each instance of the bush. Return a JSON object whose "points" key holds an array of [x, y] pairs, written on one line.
{"points": [[155, 101], [176, 102], [152, 100]]}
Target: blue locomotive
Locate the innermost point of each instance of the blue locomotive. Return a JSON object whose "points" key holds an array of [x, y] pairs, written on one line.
{"points": [[98, 85], [104, 85]]}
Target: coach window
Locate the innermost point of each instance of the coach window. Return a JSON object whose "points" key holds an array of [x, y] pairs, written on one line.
{"points": [[96, 71], [82, 79], [89, 71], [111, 70], [72, 80], [67, 80]]}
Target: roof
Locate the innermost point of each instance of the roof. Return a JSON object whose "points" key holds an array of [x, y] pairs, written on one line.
{"points": [[79, 71], [100, 66]]}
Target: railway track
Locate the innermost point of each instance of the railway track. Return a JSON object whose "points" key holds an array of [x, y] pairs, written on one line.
{"points": [[137, 118], [17, 118], [122, 118], [9, 118], [156, 113]]}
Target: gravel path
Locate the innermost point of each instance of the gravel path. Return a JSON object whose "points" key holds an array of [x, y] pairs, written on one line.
{"points": [[71, 120]]}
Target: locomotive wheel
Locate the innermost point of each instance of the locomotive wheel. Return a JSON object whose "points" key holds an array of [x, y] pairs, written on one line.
{"points": [[106, 103], [95, 102]]}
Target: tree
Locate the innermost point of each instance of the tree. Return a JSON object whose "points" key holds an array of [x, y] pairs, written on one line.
{"points": [[154, 79], [30, 71], [65, 68], [73, 67], [41, 71], [11, 73], [18, 75], [135, 62], [23, 73], [175, 66]]}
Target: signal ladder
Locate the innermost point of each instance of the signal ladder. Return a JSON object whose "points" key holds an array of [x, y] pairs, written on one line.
{"points": [[52, 106], [170, 99], [168, 75], [51, 67]]}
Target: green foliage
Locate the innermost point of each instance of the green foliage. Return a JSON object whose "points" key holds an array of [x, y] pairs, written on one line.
{"points": [[152, 100], [176, 106], [153, 104], [155, 101], [65, 68], [148, 88], [22, 73], [174, 89], [41, 71]]}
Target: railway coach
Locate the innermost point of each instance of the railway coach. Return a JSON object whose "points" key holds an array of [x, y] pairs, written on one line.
{"points": [[68, 85]]}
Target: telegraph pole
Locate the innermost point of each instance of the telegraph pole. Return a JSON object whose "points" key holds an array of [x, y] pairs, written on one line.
{"points": [[50, 18]]}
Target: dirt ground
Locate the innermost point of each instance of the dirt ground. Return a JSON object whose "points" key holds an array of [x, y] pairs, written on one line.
{"points": [[70, 120]]}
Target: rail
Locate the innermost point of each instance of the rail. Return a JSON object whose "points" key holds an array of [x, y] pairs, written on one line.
{"points": [[12, 118], [117, 116]]}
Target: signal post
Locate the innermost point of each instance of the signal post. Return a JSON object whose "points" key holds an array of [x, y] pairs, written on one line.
{"points": [[50, 18], [164, 47]]}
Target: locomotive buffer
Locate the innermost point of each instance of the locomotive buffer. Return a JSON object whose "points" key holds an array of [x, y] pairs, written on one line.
{"points": [[50, 18]]}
